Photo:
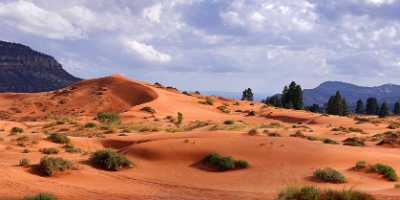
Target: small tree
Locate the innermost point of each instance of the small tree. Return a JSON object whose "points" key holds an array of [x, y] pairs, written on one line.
{"points": [[372, 106], [384, 110], [337, 105], [274, 101], [360, 107], [314, 108], [396, 109], [292, 96], [247, 95]]}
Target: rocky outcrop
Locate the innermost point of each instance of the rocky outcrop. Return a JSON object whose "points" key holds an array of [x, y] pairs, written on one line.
{"points": [[25, 70]]}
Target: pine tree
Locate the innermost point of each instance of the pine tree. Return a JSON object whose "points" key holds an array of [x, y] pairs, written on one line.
{"points": [[384, 110], [274, 101], [360, 107], [396, 109], [292, 96], [314, 108], [336, 105], [372, 106], [247, 95]]}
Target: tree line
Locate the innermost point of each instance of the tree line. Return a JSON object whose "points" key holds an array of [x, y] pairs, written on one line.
{"points": [[292, 98]]}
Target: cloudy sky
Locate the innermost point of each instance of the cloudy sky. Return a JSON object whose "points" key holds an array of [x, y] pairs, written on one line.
{"points": [[218, 45]]}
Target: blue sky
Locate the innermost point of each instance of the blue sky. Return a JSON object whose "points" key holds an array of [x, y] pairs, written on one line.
{"points": [[215, 45]]}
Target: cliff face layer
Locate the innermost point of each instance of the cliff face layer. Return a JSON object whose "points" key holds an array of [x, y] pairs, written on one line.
{"points": [[25, 70]]}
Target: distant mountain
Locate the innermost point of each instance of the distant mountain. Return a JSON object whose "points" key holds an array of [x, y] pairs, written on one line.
{"points": [[320, 95], [25, 70]]}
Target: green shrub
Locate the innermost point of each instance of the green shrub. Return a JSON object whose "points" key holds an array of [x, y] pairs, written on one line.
{"points": [[148, 109], [41, 196], [16, 130], [70, 148], [253, 132], [314, 193], [387, 171], [24, 162], [360, 165], [224, 109], [209, 101], [329, 175], [196, 124], [90, 125], [109, 160], [49, 166], [223, 163], [180, 118], [108, 117], [229, 122], [50, 150], [354, 141], [59, 138], [329, 141]]}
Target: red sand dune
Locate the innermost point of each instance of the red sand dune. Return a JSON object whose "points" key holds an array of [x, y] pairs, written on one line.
{"points": [[164, 163]]}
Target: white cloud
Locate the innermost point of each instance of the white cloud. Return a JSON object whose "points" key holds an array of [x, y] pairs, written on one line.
{"points": [[153, 13], [147, 52], [271, 16], [30, 18], [380, 2]]}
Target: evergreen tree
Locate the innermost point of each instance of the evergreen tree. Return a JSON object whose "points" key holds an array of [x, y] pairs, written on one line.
{"points": [[314, 108], [247, 95], [360, 107], [384, 110], [274, 101], [372, 106], [396, 109], [292, 96], [336, 105]]}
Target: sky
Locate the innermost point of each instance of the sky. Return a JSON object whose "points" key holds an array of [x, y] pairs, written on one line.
{"points": [[214, 45]]}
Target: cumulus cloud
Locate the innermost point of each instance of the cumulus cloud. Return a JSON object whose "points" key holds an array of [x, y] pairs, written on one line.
{"points": [[262, 44], [28, 17], [147, 51]]}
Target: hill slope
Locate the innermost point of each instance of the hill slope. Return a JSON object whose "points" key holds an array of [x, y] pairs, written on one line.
{"points": [[320, 95], [25, 70]]}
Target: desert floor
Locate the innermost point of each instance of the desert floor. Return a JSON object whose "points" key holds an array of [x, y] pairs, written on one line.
{"points": [[165, 153]]}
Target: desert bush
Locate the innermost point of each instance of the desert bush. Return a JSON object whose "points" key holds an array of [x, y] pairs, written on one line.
{"points": [[90, 125], [49, 166], [393, 125], [360, 165], [24, 162], [329, 141], [50, 150], [180, 118], [41, 196], [208, 101], [253, 132], [108, 117], [271, 125], [358, 130], [109, 160], [229, 122], [224, 109], [70, 148], [223, 163], [148, 109], [196, 124], [341, 129], [16, 130], [25, 151], [354, 141], [59, 138], [329, 175], [387, 171], [231, 127], [298, 134], [314, 193], [272, 134], [251, 113]]}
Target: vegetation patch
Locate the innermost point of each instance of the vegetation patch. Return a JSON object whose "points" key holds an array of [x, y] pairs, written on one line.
{"points": [[70, 148], [49, 166], [360, 165], [90, 125], [329, 141], [271, 125], [16, 130], [387, 171], [196, 124], [24, 162], [354, 141], [148, 109], [217, 162], [224, 109], [109, 160], [329, 175], [50, 150], [314, 193], [108, 117], [207, 101], [393, 125], [41, 196], [253, 132], [59, 138]]}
